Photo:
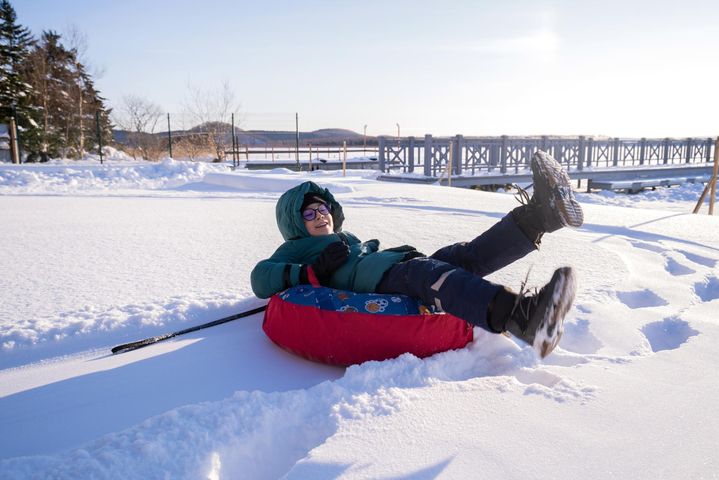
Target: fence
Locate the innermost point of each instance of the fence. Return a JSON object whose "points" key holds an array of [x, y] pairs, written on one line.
{"points": [[280, 154], [502, 155], [281, 141]]}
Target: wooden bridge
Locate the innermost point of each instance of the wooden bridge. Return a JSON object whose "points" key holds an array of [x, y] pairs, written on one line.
{"points": [[613, 163]]}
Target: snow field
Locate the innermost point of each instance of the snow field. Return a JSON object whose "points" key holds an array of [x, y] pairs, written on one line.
{"points": [[632, 379]]}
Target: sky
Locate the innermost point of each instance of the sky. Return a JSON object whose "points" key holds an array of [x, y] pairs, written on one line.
{"points": [[563, 67]]}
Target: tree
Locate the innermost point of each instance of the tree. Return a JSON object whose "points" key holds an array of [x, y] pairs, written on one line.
{"points": [[97, 106], [16, 43], [86, 100], [45, 86], [210, 112], [190, 145], [139, 117], [66, 99], [47, 70]]}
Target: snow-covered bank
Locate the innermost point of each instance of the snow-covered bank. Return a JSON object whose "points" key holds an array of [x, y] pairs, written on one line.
{"points": [[682, 198], [629, 393], [91, 178]]}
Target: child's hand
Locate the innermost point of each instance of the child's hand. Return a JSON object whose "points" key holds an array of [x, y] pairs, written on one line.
{"points": [[330, 260]]}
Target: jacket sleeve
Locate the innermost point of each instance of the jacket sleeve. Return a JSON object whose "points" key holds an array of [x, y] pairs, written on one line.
{"points": [[277, 273]]}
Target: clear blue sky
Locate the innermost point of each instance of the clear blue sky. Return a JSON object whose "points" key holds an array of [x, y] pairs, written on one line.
{"points": [[619, 68]]}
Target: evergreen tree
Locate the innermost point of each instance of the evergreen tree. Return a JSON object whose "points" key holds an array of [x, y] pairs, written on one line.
{"points": [[45, 86], [16, 43], [87, 102], [46, 71], [66, 98]]}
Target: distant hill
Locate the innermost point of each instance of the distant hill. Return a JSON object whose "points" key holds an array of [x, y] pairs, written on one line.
{"points": [[325, 136]]}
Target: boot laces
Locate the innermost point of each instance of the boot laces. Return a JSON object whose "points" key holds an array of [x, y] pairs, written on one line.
{"points": [[525, 307], [522, 195]]}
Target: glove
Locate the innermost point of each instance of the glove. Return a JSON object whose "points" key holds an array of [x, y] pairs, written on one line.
{"points": [[331, 258]]}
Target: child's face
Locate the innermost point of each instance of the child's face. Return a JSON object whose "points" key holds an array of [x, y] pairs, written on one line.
{"points": [[322, 224]]}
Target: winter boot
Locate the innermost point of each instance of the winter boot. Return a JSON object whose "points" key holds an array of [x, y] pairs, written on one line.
{"points": [[536, 319], [552, 205]]}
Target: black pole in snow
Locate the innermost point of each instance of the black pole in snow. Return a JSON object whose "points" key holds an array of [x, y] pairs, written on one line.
{"points": [[297, 140], [99, 133], [169, 134], [126, 347], [235, 157]]}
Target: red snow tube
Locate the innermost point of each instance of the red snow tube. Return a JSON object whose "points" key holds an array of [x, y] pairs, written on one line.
{"points": [[344, 328]]}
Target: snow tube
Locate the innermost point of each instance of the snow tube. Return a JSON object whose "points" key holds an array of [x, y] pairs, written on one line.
{"points": [[338, 327]]}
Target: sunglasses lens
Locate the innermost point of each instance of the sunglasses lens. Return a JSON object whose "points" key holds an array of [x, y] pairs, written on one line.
{"points": [[311, 213]]}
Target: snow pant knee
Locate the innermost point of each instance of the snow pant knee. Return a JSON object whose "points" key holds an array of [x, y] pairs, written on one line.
{"points": [[494, 249], [445, 286]]}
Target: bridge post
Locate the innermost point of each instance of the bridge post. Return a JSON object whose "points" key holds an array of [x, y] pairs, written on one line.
{"points": [[503, 155], [544, 143], [410, 156], [381, 155], [457, 157], [710, 142], [642, 150], [667, 147], [580, 154], [615, 153], [428, 155], [689, 150], [493, 155]]}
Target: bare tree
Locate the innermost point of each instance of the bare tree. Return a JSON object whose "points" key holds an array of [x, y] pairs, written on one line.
{"points": [[76, 42], [210, 113], [191, 146], [139, 117]]}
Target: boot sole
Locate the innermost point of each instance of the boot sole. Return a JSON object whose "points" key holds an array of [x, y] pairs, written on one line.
{"points": [[551, 328], [570, 212]]}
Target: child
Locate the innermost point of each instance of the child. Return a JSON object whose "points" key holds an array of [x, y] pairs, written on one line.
{"points": [[316, 250]]}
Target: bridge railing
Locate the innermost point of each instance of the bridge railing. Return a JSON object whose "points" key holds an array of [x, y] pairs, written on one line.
{"points": [[471, 156]]}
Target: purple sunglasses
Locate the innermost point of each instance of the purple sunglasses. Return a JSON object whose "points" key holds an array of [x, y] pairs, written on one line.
{"points": [[310, 214]]}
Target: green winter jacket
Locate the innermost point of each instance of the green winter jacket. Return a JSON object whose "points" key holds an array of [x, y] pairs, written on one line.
{"points": [[362, 271]]}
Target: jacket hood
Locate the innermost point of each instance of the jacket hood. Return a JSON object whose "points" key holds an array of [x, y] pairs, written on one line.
{"points": [[289, 216]]}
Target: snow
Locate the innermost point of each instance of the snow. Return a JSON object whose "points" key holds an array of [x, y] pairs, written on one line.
{"points": [[667, 198], [98, 255]]}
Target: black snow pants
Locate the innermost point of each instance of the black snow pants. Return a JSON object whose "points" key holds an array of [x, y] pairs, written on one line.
{"points": [[452, 278]]}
